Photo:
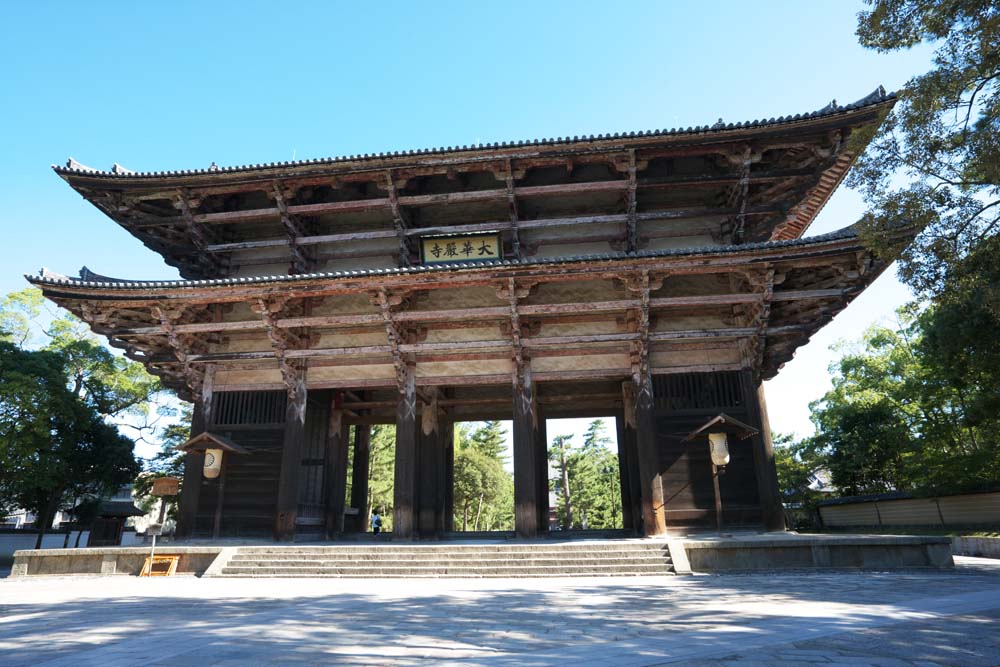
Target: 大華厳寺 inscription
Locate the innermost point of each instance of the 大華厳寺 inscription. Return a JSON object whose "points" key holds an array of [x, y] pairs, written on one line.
{"points": [[467, 248]]}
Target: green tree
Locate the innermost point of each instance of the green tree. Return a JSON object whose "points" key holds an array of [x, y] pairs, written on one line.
{"points": [[58, 448], [381, 471], [81, 391], [912, 408], [483, 489], [167, 462], [935, 161], [489, 439], [561, 453]]}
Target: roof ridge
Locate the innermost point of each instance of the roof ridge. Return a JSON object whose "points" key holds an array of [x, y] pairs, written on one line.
{"points": [[878, 96]]}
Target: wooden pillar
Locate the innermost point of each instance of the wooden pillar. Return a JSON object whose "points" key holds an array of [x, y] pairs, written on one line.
{"points": [[336, 467], [448, 445], [628, 475], [220, 500], [526, 420], [201, 421], [359, 475], [404, 481], [771, 510], [647, 455], [542, 473], [430, 473], [291, 458]]}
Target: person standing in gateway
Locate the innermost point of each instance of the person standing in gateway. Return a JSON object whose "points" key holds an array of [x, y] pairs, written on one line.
{"points": [[376, 523]]}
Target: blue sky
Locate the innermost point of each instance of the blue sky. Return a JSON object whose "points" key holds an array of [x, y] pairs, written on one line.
{"points": [[182, 84]]}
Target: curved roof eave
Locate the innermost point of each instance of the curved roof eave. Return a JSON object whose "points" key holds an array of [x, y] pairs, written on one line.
{"points": [[878, 97], [46, 278]]}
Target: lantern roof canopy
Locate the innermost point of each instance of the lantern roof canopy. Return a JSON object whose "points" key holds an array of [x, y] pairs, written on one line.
{"points": [[208, 440], [722, 423]]}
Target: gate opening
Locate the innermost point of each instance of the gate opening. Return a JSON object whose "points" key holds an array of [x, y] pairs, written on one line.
{"points": [[585, 491]]}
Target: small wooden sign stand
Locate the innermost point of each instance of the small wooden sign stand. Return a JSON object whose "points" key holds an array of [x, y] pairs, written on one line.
{"points": [[160, 566]]}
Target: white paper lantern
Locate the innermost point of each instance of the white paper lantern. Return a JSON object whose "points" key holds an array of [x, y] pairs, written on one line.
{"points": [[719, 449], [213, 463]]}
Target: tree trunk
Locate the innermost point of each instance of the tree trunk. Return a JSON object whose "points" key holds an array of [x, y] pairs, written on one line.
{"points": [[465, 517], [566, 493], [479, 511], [44, 519]]}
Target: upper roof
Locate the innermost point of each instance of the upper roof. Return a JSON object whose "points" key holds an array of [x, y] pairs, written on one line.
{"points": [[878, 96], [755, 181]]}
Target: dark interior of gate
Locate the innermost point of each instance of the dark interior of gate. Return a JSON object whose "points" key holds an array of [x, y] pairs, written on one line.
{"points": [[241, 501]]}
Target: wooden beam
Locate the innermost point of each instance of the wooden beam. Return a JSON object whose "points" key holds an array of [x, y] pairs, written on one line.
{"points": [[359, 473], [515, 238], [484, 314], [404, 477], [399, 221], [336, 467], [631, 223], [301, 263], [287, 507]]}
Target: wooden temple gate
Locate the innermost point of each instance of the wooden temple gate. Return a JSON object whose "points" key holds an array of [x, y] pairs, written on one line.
{"points": [[658, 277]]}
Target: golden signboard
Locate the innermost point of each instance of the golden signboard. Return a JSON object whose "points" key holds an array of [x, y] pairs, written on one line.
{"points": [[461, 248]]}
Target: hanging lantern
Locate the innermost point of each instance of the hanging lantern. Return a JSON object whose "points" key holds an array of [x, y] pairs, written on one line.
{"points": [[718, 447], [213, 447], [213, 463]]}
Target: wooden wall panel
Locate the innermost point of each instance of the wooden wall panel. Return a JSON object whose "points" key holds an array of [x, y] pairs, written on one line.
{"points": [[683, 403]]}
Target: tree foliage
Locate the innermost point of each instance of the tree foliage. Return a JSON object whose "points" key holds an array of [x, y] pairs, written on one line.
{"points": [[57, 448], [483, 489], [62, 397], [587, 486], [935, 161], [913, 408]]}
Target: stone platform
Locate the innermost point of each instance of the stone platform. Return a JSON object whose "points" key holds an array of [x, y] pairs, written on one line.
{"points": [[545, 557]]}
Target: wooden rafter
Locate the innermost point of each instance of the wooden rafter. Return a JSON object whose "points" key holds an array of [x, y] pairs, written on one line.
{"points": [[198, 235], [394, 335], [301, 262], [283, 343], [515, 237], [399, 220], [631, 222]]}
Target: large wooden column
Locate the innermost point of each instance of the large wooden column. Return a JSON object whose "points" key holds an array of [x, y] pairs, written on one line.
{"points": [[431, 472], [359, 476], [542, 472], [291, 455], [404, 484], [201, 421], [448, 442], [647, 455], [526, 439], [771, 510], [628, 474], [336, 467]]}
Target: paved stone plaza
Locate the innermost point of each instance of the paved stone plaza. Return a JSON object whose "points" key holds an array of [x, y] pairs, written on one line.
{"points": [[835, 619]]}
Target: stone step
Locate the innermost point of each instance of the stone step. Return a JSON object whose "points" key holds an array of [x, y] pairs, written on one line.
{"points": [[453, 560], [450, 562], [450, 571], [375, 555], [471, 549]]}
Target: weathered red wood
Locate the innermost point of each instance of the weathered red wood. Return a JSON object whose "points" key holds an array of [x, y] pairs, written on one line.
{"points": [[359, 475], [336, 468], [526, 444], [404, 479], [287, 507]]}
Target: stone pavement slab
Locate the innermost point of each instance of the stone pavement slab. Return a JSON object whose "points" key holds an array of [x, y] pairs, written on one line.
{"points": [[849, 618]]}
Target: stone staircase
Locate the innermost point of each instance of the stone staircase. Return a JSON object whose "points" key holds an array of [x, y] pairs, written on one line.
{"points": [[527, 559]]}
